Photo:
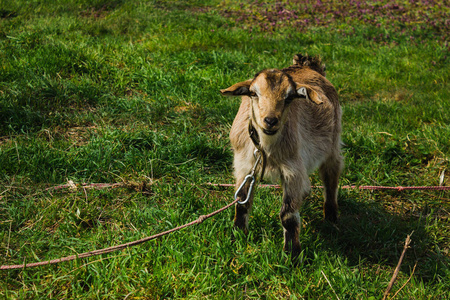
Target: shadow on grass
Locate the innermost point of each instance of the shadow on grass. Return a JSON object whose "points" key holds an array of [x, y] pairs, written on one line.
{"points": [[368, 232]]}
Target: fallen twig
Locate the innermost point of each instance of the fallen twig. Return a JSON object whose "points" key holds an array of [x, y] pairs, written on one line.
{"points": [[397, 269], [329, 283], [410, 276]]}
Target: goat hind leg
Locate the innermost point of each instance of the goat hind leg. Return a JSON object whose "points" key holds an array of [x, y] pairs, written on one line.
{"points": [[330, 172]]}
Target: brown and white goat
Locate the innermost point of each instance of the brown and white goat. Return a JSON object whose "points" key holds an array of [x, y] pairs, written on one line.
{"points": [[297, 117]]}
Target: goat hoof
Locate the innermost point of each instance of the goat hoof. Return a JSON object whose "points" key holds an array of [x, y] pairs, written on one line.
{"points": [[238, 234], [240, 227], [330, 214], [293, 250], [332, 218], [295, 255], [240, 224]]}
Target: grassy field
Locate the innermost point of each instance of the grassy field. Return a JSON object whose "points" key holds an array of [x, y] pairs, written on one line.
{"points": [[128, 91]]}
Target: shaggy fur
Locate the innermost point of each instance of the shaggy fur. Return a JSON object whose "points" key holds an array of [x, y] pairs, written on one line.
{"points": [[297, 116]]}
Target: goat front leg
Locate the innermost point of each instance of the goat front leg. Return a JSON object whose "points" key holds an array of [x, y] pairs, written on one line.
{"points": [[242, 211], [294, 191]]}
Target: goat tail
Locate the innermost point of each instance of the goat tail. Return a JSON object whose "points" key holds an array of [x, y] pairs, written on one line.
{"points": [[313, 62]]}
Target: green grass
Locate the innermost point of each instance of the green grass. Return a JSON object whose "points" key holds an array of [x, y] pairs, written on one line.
{"points": [[128, 91]]}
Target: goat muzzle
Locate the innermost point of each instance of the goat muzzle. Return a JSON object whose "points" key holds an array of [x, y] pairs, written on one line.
{"points": [[270, 122]]}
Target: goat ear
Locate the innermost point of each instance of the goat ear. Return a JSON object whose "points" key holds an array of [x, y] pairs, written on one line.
{"points": [[308, 93], [238, 89]]}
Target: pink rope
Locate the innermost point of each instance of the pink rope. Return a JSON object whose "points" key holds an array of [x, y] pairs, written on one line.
{"points": [[275, 186], [361, 187], [199, 220]]}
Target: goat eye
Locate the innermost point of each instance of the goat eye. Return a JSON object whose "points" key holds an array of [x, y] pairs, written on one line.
{"points": [[252, 94], [289, 99]]}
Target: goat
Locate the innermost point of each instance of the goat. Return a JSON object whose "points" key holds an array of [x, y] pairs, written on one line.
{"points": [[296, 115]]}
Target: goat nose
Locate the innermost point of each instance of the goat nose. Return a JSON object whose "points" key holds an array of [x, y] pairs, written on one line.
{"points": [[271, 121]]}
